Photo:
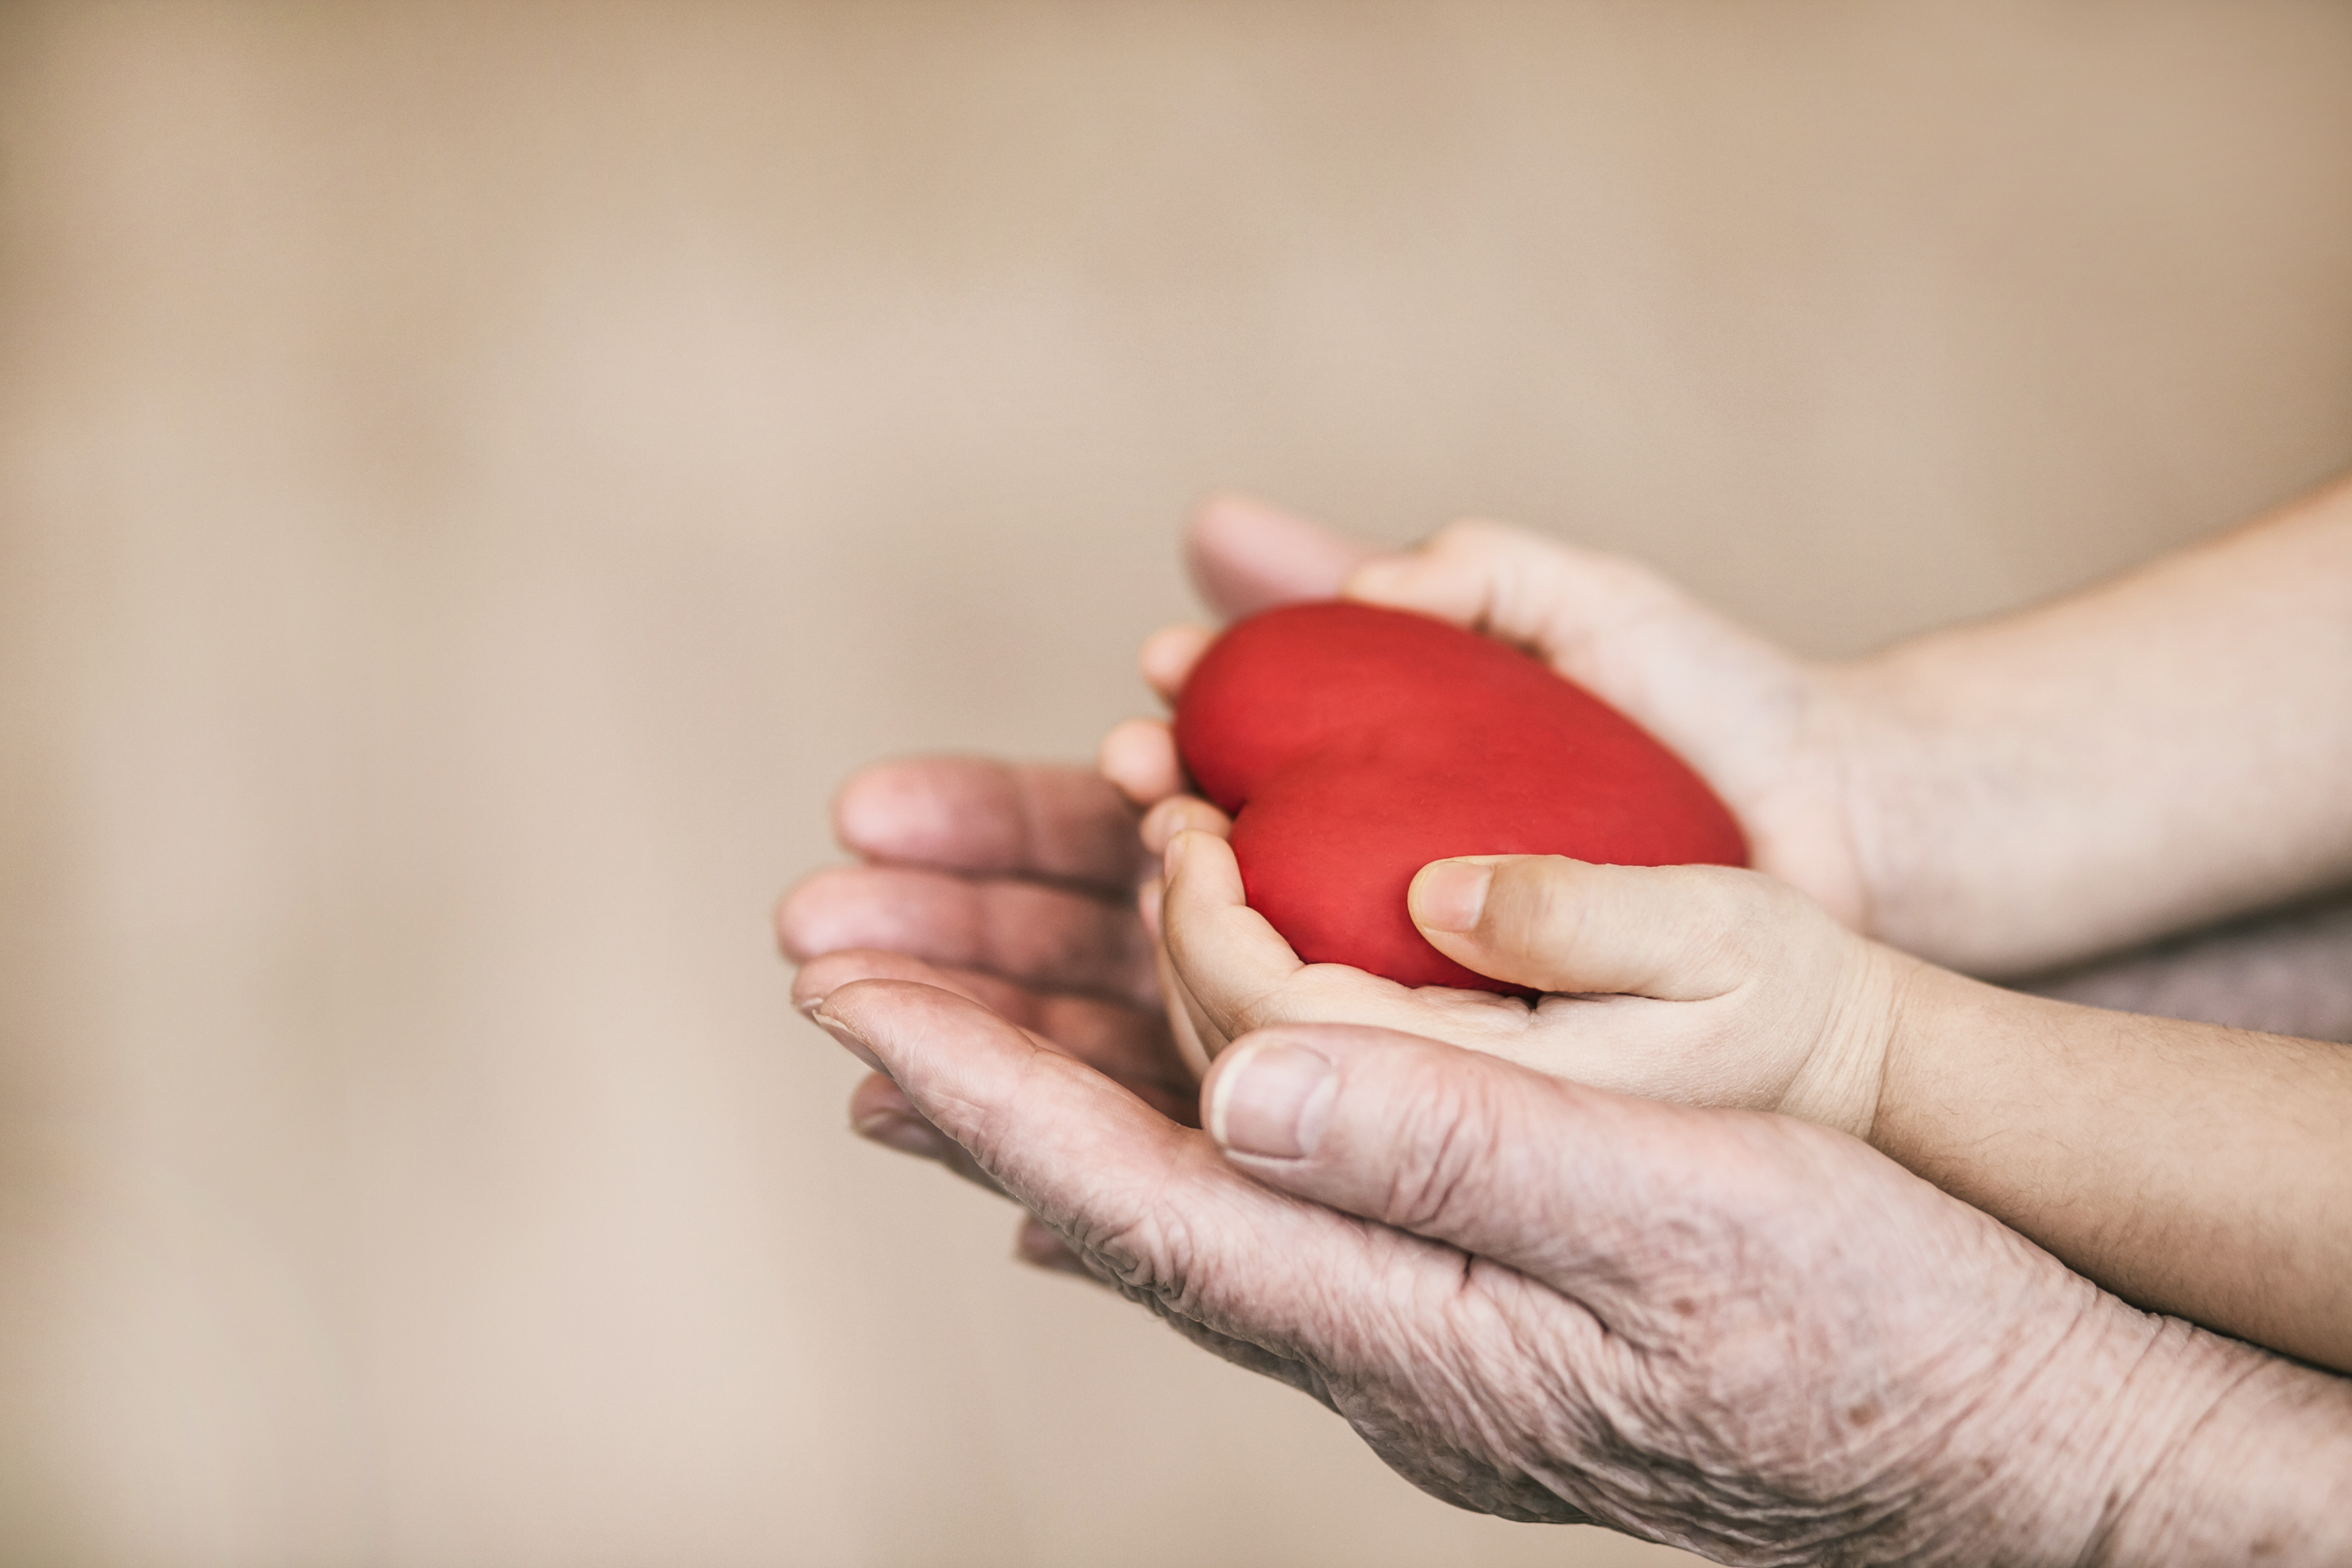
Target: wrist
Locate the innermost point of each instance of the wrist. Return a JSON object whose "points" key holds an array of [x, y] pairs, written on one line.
{"points": [[2141, 1441], [1968, 828], [1841, 1083], [2050, 1447], [2242, 1456], [1901, 786]]}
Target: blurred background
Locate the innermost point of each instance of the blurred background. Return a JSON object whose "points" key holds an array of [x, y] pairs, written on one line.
{"points": [[474, 476]]}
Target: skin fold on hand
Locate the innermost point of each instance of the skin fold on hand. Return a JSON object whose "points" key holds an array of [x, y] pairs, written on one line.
{"points": [[1740, 1334]]}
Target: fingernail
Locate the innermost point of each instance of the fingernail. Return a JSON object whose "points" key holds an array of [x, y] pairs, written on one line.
{"points": [[848, 1036], [1174, 858], [908, 1134], [1448, 895], [1272, 1100], [1147, 905]]}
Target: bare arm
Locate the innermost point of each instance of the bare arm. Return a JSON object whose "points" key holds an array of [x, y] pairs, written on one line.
{"points": [[2196, 1169], [2168, 750]]}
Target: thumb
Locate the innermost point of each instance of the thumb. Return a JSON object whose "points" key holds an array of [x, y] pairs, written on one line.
{"points": [[1554, 1179], [1674, 933]]}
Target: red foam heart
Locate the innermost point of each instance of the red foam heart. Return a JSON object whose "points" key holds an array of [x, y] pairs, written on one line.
{"points": [[1354, 745]]}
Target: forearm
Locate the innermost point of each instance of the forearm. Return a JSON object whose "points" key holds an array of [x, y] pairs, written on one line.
{"points": [[2165, 751], [2197, 1170]]}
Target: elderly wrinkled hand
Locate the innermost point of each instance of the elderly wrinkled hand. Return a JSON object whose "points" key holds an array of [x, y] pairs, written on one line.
{"points": [[1737, 1333]]}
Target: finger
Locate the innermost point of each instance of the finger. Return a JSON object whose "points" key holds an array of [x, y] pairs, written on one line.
{"points": [[1046, 937], [1724, 699], [1569, 1184], [1147, 907], [1197, 1040], [1147, 1202], [1168, 655], [1676, 933], [1225, 954], [1139, 756], [977, 815], [1235, 973], [1187, 1019], [1520, 587], [1128, 1043], [880, 1114], [1181, 814], [1246, 556]]}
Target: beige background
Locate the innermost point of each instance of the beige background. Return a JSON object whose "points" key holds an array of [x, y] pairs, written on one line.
{"points": [[471, 478]]}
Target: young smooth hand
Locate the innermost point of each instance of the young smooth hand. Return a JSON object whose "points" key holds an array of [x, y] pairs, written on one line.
{"points": [[1699, 983]]}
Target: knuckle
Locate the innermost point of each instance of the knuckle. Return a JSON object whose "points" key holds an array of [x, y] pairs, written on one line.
{"points": [[1319, 993], [1544, 909], [1262, 1010], [1150, 1257], [1451, 537]]}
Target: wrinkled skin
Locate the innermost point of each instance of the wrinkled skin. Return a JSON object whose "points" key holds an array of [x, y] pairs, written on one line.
{"points": [[1737, 1333]]}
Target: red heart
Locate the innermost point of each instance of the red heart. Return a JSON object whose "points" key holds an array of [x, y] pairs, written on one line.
{"points": [[1354, 745]]}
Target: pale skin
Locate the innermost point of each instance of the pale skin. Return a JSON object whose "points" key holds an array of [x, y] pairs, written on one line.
{"points": [[2107, 1437], [1737, 1333], [2008, 796]]}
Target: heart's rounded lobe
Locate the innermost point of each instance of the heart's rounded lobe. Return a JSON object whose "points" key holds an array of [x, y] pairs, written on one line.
{"points": [[1353, 745]]}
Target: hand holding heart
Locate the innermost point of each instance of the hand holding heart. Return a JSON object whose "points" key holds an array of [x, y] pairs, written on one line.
{"points": [[1784, 743], [1723, 987], [1704, 985], [1357, 743]]}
